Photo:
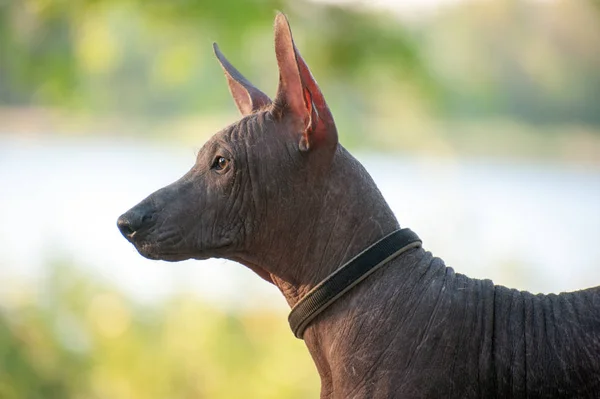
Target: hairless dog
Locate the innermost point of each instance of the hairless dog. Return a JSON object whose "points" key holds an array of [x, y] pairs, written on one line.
{"points": [[381, 317]]}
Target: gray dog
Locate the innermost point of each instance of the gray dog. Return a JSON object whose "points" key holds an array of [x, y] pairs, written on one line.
{"points": [[277, 193]]}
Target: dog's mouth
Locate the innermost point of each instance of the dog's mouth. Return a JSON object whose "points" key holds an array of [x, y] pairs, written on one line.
{"points": [[164, 246], [153, 251], [169, 245], [168, 249]]}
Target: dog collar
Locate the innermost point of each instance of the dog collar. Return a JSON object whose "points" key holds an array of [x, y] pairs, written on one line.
{"points": [[349, 275]]}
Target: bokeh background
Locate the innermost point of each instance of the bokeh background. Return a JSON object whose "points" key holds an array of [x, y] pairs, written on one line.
{"points": [[480, 121]]}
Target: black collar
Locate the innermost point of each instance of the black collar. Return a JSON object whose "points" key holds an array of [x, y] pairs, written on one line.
{"points": [[349, 275]]}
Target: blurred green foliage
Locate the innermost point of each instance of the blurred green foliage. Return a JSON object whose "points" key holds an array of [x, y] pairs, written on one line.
{"points": [[154, 57], [73, 337], [533, 61], [537, 62]]}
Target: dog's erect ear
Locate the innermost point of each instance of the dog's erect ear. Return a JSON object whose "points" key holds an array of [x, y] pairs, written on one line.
{"points": [[247, 97], [298, 92]]}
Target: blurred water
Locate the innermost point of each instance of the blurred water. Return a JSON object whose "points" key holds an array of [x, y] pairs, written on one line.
{"points": [[529, 226]]}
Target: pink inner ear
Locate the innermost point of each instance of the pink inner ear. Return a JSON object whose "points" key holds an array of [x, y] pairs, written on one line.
{"points": [[318, 99], [312, 112], [322, 127]]}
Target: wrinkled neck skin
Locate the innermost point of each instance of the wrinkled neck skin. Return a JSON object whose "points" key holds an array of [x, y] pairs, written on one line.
{"points": [[352, 215], [349, 214]]}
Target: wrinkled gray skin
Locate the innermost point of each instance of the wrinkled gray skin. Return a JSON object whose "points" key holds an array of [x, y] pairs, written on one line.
{"points": [[291, 204]]}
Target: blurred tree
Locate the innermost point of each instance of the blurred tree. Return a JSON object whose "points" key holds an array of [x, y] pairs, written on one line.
{"points": [[149, 57], [537, 62], [533, 62]]}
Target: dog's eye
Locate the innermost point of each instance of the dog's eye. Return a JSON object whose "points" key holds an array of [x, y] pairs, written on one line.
{"points": [[220, 163]]}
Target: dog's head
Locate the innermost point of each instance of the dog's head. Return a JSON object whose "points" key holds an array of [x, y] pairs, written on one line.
{"points": [[253, 182]]}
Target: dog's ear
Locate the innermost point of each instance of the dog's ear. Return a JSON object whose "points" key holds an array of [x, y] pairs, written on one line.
{"points": [[298, 92], [247, 97]]}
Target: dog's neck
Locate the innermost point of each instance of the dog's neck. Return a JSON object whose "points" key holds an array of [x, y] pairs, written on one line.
{"points": [[350, 215], [349, 341]]}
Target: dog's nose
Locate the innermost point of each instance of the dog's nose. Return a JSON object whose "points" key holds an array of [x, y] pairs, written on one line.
{"points": [[132, 221]]}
